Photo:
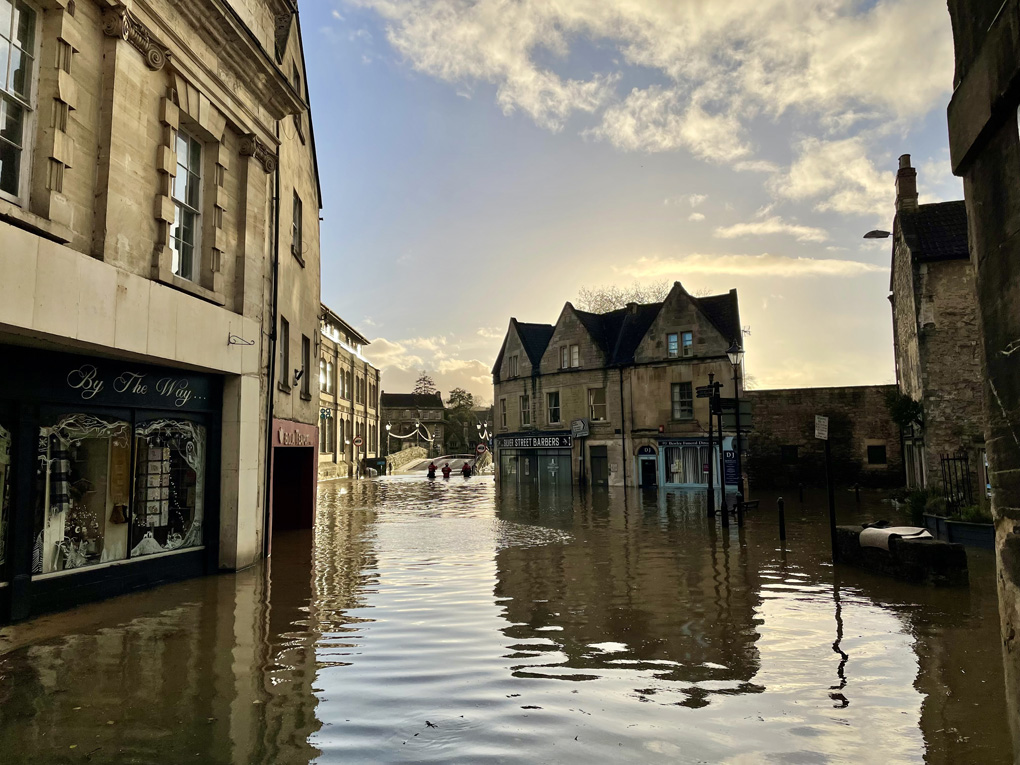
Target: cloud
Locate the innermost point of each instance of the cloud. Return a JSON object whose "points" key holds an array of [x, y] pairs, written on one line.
{"points": [[491, 333], [694, 200], [756, 166], [386, 354], [747, 265], [773, 225], [839, 177], [696, 217]]}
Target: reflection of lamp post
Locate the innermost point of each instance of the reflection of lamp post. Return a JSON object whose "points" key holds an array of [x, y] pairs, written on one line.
{"points": [[736, 355], [349, 458]]}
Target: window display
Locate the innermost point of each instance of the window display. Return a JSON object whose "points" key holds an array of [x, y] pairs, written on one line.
{"points": [[83, 493], [169, 486]]}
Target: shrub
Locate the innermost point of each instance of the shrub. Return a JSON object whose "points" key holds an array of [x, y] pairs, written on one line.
{"points": [[974, 514]]}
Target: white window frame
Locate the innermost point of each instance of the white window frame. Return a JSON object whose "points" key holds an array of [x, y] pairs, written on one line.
{"points": [[31, 111], [686, 348], [575, 356], [323, 376], [525, 410], [512, 366], [592, 411], [676, 401], [194, 275], [549, 407], [673, 345], [330, 371], [564, 357], [502, 412]]}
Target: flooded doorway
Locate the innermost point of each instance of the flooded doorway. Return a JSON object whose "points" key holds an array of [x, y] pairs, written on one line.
{"points": [[293, 488]]}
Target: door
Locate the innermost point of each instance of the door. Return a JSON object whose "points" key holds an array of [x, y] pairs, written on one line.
{"points": [[649, 477], [599, 466]]}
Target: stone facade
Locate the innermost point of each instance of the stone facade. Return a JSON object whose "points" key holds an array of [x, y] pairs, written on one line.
{"points": [[348, 402], [985, 151], [864, 441], [936, 336], [614, 372], [89, 257], [410, 420]]}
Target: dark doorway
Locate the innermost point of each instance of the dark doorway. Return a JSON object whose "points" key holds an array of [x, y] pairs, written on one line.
{"points": [[649, 477], [599, 465], [293, 488]]}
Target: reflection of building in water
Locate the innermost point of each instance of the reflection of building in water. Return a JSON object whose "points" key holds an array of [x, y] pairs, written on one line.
{"points": [[628, 576]]}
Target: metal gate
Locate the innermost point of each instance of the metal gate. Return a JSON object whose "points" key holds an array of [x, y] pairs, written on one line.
{"points": [[956, 485]]}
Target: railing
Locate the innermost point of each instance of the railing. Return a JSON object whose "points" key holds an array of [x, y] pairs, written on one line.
{"points": [[956, 483]]}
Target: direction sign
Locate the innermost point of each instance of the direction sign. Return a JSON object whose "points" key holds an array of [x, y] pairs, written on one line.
{"points": [[821, 428], [359, 441], [579, 428], [480, 449], [705, 388], [704, 393]]}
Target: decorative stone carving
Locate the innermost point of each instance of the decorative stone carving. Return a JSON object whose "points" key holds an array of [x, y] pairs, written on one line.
{"points": [[252, 147], [120, 23]]}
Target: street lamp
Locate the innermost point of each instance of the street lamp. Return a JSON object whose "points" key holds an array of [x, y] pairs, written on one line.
{"points": [[736, 356], [350, 463], [877, 234]]}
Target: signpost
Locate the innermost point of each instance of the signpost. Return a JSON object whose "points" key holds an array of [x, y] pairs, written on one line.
{"points": [[822, 434], [480, 449]]}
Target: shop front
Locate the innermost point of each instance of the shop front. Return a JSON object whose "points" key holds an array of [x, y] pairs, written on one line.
{"points": [[109, 477], [535, 459], [294, 476], [684, 462]]}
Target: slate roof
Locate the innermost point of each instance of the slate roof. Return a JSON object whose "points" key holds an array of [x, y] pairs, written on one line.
{"points": [[535, 338], [410, 401], [724, 312], [936, 231]]}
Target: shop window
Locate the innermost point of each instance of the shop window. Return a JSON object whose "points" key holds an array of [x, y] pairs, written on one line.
{"points": [[187, 195], [597, 403], [6, 445], [789, 455], [17, 76], [877, 455], [83, 493], [169, 486], [554, 406], [686, 464], [683, 401]]}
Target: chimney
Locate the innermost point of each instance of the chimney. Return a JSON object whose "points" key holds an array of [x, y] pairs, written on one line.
{"points": [[906, 186], [632, 308]]}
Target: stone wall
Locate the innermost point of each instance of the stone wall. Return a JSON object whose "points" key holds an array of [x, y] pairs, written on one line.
{"points": [[858, 418]]}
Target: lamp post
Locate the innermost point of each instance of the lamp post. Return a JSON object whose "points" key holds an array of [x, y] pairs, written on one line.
{"points": [[350, 463], [388, 463], [736, 355]]}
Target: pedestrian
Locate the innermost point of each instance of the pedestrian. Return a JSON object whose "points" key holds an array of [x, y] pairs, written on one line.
{"points": [[432, 470], [465, 469], [446, 471]]}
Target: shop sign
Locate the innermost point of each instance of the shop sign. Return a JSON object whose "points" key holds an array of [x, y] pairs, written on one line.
{"points": [[292, 437], [646, 451], [664, 442], [39, 375], [535, 442], [730, 472]]}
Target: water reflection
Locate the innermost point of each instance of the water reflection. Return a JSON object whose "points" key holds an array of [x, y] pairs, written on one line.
{"points": [[437, 622]]}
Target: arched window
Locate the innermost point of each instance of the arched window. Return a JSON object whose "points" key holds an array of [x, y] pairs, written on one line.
{"points": [[323, 378], [329, 377]]}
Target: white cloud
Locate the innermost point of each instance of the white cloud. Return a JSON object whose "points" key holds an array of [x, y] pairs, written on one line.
{"points": [[747, 265], [756, 166], [772, 225], [491, 333], [695, 200], [696, 217]]}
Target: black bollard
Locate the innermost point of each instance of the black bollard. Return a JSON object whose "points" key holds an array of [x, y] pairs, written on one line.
{"points": [[782, 520]]}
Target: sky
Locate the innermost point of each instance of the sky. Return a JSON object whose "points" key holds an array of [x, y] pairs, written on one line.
{"points": [[486, 159]]}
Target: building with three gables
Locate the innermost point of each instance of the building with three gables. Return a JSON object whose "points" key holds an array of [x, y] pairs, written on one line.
{"points": [[610, 399]]}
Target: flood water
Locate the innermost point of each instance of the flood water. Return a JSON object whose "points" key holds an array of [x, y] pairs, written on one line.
{"points": [[426, 622]]}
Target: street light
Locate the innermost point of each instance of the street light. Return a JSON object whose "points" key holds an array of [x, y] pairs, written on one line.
{"points": [[736, 356], [877, 234]]}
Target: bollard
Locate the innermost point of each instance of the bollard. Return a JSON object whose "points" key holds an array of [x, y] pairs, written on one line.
{"points": [[782, 520], [802, 494]]}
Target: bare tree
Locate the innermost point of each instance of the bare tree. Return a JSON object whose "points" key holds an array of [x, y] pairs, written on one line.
{"points": [[604, 299]]}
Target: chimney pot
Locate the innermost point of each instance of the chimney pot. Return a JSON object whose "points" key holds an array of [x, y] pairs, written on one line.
{"points": [[904, 161], [906, 186]]}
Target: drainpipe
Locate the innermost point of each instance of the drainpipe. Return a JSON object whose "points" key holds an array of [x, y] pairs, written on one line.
{"points": [[271, 394], [623, 431]]}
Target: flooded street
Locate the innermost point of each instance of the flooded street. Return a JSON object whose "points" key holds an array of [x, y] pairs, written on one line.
{"points": [[438, 623]]}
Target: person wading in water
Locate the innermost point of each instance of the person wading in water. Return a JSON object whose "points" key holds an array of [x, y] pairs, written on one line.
{"points": [[432, 470]]}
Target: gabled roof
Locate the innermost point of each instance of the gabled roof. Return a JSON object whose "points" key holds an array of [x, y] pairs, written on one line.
{"points": [[936, 231], [724, 313], [411, 401], [534, 337]]}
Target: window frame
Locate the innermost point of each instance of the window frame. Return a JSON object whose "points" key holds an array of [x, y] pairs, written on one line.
{"points": [[592, 404], [297, 229], [677, 409], [192, 141], [885, 455], [672, 345], [564, 357], [306, 363], [323, 378], [525, 410], [513, 366], [686, 348], [502, 413], [549, 407], [29, 106], [283, 354], [575, 356]]}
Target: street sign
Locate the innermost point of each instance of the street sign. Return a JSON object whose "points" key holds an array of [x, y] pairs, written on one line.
{"points": [[579, 428], [480, 449], [729, 422], [730, 405], [821, 428], [703, 393], [359, 441], [705, 388]]}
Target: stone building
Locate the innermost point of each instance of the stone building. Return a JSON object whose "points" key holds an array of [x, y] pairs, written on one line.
{"points": [[349, 427], [936, 337], [985, 150], [413, 419], [159, 292], [863, 439], [628, 378]]}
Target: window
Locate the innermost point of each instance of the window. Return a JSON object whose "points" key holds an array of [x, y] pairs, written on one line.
{"points": [[329, 377], [502, 412], [877, 455], [323, 433], [283, 375], [564, 357], [296, 245], [683, 401], [17, 45], [687, 344], [187, 196], [322, 376], [306, 366], [553, 405], [512, 366], [575, 356], [525, 410], [672, 345], [789, 455], [597, 403]]}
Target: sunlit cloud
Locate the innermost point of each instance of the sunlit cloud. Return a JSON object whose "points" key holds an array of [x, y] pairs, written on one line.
{"points": [[746, 265], [696, 217], [772, 225]]}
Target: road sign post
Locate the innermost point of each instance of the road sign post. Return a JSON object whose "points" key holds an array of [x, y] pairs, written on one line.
{"points": [[822, 433], [711, 442]]}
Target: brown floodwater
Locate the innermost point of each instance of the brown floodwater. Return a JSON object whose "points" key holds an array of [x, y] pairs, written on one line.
{"points": [[425, 622]]}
